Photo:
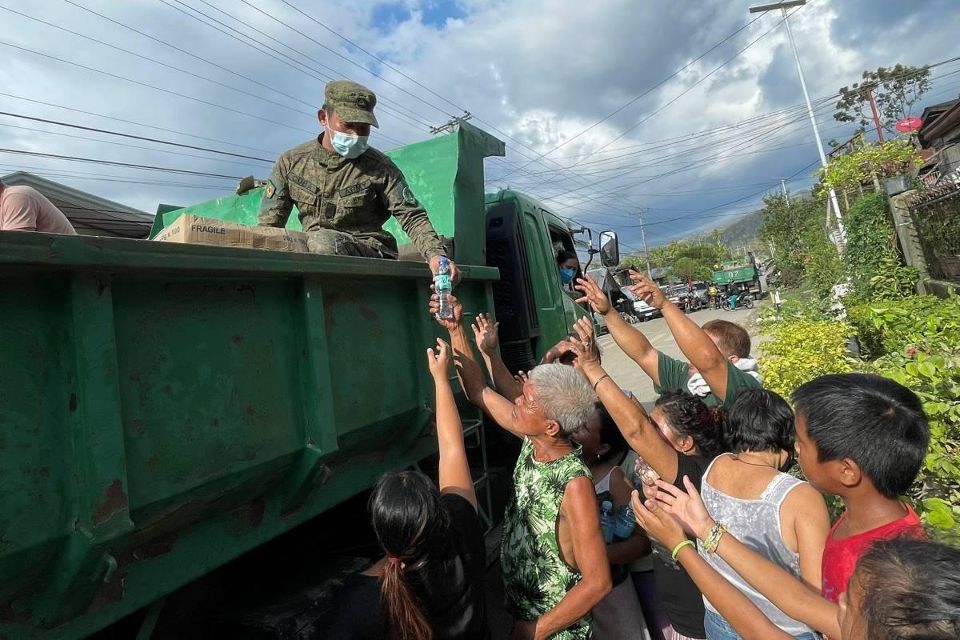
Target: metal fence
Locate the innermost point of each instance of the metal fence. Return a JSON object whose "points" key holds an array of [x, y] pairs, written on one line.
{"points": [[936, 218]]}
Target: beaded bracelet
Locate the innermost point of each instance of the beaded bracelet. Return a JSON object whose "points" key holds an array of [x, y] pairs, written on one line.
{"points": [[679, 547], [712, 541]]}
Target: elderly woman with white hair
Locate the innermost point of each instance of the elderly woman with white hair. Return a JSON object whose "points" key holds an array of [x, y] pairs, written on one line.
{"points": [[554, 559]]}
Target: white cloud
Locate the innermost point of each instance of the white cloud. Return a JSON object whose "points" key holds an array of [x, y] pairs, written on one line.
{"points": [[541, 71]]}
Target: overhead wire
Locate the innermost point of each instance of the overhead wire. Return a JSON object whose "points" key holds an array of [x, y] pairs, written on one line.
{"points": [[645, 92], [395, 109]]}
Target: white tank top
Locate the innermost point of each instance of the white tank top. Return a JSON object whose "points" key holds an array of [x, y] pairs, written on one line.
{"points": [[755, 523]]}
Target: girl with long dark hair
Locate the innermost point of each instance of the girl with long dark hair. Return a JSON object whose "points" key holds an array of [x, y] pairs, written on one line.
{"points": [[429, 584]]}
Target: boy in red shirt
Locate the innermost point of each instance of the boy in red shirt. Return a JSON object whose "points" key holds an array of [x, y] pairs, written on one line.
{"points": [[863, 438]]}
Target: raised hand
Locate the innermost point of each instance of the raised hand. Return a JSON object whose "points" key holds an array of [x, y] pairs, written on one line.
{"points": [[656, 521], [593, 295], [522, 377], [647, 290], [687, 507], [485, 333], [452, 324], [591, 353], [439, 361]]}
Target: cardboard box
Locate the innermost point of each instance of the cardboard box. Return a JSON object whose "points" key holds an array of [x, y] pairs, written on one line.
{"points": [[191, 229]]}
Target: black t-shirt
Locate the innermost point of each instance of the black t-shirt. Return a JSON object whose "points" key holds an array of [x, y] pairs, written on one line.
{"points": [[681, 598], [453, 601]]}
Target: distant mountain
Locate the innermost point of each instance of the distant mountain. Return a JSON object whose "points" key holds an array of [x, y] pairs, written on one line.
{"points": [[743, 230]]}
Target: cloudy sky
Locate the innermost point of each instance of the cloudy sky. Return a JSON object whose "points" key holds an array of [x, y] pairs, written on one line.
{"points": [[690, 109]]}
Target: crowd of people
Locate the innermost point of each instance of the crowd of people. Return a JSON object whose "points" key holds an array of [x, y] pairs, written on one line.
{"points": [[681, 523], [714, 537]]}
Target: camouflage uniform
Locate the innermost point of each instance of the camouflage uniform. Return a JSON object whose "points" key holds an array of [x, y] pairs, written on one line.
{"points": [[343, 203]]}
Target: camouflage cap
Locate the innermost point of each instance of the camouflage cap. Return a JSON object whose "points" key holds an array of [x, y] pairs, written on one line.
{"points": [[351, 101]]}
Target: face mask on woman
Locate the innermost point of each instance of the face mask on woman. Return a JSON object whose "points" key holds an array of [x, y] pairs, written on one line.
{"points": [[567, 274]]}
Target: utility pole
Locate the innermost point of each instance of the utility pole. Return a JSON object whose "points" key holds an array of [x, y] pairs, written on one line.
{"points": [[783, 6], [643, 237], [783, 187], [876, 114], [451, 124]]}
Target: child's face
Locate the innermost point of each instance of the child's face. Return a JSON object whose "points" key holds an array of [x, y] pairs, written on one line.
{"points": [[814, 471], [850, 614]]}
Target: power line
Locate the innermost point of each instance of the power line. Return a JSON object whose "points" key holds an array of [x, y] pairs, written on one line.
{"points": [[129, 136], [644, 94], [115, 163], [150, 86], [133, 122], [341, 56], [691, 87], [151, 60], [291, 62], [188, 53]]}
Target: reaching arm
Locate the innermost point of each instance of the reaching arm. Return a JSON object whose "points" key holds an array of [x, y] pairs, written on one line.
{"points": [[637, 428], [733, 605], [579, 510], [695, 344], [485, 335], [780, 587], [811, 522], [628, 338], [454, 472], [475, 387]]}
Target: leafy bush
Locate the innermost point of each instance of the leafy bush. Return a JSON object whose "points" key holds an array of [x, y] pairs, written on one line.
{"points": [[794, 308], [894, 281], [870, 257], [915, 342], [800, 350], [936, 380], [925, 322]]}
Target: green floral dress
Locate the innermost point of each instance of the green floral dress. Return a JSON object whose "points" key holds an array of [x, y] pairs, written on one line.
{"points": [[535, 577]]}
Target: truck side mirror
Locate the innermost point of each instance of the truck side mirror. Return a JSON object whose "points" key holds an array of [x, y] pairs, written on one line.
{"points": [[609, 249]]}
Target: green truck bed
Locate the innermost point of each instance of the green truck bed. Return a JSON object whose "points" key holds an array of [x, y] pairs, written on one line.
{"points": [[165, 408]]}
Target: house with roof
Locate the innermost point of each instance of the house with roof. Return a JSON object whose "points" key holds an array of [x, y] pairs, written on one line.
{"points": [[89, 214], [939, 136]]}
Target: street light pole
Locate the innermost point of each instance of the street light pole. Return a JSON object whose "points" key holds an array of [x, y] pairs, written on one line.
{"points": [[783, 6]]}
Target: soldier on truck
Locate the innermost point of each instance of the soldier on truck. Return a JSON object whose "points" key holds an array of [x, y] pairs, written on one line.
{"points": [[344, 189]]}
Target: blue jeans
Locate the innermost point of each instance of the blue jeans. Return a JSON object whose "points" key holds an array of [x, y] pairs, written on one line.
{"points": [[719, 629]]}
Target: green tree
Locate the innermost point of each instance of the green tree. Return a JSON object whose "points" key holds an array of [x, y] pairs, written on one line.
{"points": [[895, 90], [802, 247], [872, 161]]}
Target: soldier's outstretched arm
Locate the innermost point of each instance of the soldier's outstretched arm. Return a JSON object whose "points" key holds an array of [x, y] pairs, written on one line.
{"points": [[275, 204], [404, 206]]}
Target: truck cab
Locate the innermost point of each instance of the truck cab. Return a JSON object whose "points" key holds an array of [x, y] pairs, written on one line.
{"points": [[532, 306]]}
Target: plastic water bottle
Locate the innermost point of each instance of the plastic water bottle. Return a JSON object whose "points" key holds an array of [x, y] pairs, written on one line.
{"points": [[625, 523], [607, 522], [443, 286]]}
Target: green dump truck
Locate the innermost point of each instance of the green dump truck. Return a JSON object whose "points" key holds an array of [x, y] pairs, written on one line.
{"points": [[166, 408]]}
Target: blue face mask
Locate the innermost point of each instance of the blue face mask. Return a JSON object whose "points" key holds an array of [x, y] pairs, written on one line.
{"points": [[348, 145], [567, 274]]}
